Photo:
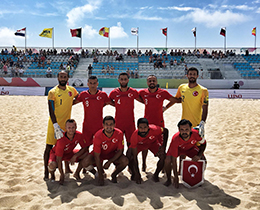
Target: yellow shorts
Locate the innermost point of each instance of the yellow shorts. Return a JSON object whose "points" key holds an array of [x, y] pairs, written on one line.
{"points": [[50, 133]]}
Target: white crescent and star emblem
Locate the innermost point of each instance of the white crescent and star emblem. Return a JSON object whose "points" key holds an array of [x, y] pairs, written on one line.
{"points": [[158, 96], [189, 170], [193, 141], [114, 140], [130, 95], [151, 137], [99, 98]]}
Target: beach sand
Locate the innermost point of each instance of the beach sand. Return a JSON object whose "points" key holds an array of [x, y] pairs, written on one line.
{"points": [[232, 178]]}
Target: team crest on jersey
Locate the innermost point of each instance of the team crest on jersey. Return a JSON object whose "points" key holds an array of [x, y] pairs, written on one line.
{"points": [[130, 95], [99, 98], [70, 93], [195, 93], [151, 137], [193, 141], [114, 140], [158, 96]]}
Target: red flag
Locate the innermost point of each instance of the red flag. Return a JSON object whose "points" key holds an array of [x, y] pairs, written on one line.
{"points": [[76, 32], [164, 31], [223, 31], [192, 173]]}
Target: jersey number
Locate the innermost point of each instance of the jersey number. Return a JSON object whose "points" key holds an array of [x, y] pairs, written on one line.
{"points": [[118, 102], [146, 101], [87, 103]]}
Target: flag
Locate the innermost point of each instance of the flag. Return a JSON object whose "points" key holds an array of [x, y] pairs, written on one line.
{"points": [[104, 32], [164, 31], [223, 31], [194, 31], [134, 31], [47, 32], [76, 32], [20, 32], [192, 173], [254, 31]]}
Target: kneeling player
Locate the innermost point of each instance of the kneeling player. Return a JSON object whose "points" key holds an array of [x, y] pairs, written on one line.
{"points": [[144, 138], [108, 144], [185, 142], [64, 149]]}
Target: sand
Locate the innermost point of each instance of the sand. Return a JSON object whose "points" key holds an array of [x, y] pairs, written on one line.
{"points": [[232, 178]]}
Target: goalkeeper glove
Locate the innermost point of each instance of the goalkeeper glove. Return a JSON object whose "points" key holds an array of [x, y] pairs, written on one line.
{"points": [[58, 132], [202, 129]]}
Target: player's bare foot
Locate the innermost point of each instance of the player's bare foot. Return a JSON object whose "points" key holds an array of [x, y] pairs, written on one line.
{"points": [[46, 176], [52, 177], [76, 176], [68, 171], [93, 171], [155, 178], [167, 183], [114, 179]]}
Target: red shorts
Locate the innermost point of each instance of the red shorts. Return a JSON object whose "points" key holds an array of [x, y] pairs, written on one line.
{"points": [[190, 153], [153, 147], [104, 157], [65, 157], [88, 134], [127, 129]]}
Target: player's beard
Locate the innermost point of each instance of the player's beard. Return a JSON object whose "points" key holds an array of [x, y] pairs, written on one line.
{"points": [[152, 86], [62, 83], [142, 134], [123, 86], [185, 135], [192, 80]]}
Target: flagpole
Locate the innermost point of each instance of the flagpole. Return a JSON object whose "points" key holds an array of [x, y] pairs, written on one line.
{"points": [[166, 38], [109, 38], [81, 38], [52, 37], [225, 40], [137, 39], [255, 40], [25, 41], [195, 37]]}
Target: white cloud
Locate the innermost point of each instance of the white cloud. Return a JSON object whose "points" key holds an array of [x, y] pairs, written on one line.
{"points": [[39, 5], [7, 37], [89, 32], [239, 7], [78, 13], [214, 18], [117, 31], [140, 16], [177, 8], [258, 10]]}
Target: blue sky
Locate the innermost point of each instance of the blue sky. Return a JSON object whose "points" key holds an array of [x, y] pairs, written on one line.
{"points": [[121, 15]]}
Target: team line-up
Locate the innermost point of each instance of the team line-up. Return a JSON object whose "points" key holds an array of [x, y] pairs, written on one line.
{"points": [[106, 134]]}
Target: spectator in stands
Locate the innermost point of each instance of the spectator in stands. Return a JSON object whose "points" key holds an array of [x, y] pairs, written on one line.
{"points": [[151, 59], [5, 69], [201, 73], [103, 71], [175, 63], [172, 53], [164, 65], [107, 69], [20, 71], [48, 61], [185, 70], [112, 70], [12, 72], [155, 65], [132, 74], [95, 60], [182, 60], [128, 72], [90, 70], [136, 75], [171, 62], [68, 69], [49, 73]]}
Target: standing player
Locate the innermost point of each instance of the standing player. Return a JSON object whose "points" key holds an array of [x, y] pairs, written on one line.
{"points": [[153, 98], [108, 144], [185, 142], [194, 99], [144, 138], [123, 99], [93, 102], [60, 101], [64, 149]]}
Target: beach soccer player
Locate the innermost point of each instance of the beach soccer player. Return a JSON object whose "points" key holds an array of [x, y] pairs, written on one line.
{"points": [[186, 142], [60, 101], [195, 101], [64, 149], [123, 99], [108, 144], [145, 138], [153, 98]]}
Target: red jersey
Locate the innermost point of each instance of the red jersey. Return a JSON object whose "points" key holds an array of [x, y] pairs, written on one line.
{"points": [[104, 145], [93, 107], [178, 143], [150, 138], [124, 103], [154, 105], [64, 146]]}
